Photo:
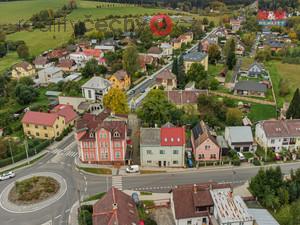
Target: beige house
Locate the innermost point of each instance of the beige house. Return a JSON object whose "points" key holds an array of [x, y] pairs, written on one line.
{"points": [[166, 79], [195, 57], [22, 69]]}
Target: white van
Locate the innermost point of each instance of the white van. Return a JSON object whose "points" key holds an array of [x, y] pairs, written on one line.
{"points": [[133, 169]]}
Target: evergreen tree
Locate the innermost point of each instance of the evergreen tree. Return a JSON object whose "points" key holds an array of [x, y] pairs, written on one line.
{"points": [[294, 108], [180, 73], [175, 66]]}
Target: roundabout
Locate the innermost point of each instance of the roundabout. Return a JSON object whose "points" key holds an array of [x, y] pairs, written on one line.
{"points": [[59, 185]]}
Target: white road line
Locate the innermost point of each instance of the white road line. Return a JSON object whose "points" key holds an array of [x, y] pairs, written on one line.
{"points": [[67, 210], [57, 217]]}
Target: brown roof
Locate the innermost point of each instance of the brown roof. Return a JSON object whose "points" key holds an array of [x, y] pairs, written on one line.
{"points": [[115, 207], [90, 123], [40, 60], [201, 133], [281, 128], [154, 50], [166, 75], [25, 65], [145, 60], [187, 198], [120, 74], [66, 63], [57, 53], [181, 97]]}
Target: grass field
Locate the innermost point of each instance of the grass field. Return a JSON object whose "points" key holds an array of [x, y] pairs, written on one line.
{"points": [[9, 60], [261, 112], [290, 72]]}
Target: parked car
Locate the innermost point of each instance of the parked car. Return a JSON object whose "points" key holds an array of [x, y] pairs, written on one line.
{"points": [[6, 176], [133, 169], [190, 163], [277, 156], [241, 156]]}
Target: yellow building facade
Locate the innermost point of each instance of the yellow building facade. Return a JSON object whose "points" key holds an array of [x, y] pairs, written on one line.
{"points": [[120, 80], [23, 69]]}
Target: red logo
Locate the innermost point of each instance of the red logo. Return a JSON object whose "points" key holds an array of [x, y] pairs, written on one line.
{"points": [[161, 25]]}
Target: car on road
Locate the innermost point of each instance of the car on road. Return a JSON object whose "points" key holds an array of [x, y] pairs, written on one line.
{"points": [[133, 169], [241, 156], [189, 154], [131, 92], [6, 176]]}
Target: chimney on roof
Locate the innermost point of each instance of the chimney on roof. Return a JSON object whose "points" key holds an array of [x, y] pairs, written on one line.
{"points": [[115, 206], [195, 188]]}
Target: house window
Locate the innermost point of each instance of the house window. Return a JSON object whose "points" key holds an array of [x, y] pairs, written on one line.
{"points": [[104, 135], [175, 162], [162, 152], [57, 133], [45, 128], [46, 135], [189, 222], [86, 156], [172, 139], [175, 152], [207, 147], [272, 141], [117, 144], [28, 132], [201, 156], [178, 139], [104, 155], [116, 134], [89, 94], [166, 139], [149, 152], [85, 144], [56, 126], [36, 126], [118, 155], [27, 125], [37, 134], [149, 161], [213, 156], [91, 145]]}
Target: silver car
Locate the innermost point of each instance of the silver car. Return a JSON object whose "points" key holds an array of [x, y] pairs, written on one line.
{"points": [[6, 176]]}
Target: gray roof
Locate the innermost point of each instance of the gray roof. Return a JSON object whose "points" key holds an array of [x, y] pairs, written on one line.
{"points": [[97, 83], [222, 142], [249, 85], [150, 136], [240, 134], [263, 217], [53, 93], [51, 70], [194, 56]]}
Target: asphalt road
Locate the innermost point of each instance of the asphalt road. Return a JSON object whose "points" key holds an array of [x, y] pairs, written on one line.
{"points": [[62, 163]]}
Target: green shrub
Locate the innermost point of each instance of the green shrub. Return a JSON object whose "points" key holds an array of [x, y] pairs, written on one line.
{"points": [[256, 162], [236, 162]]}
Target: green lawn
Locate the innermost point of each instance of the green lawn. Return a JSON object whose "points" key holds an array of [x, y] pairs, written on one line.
{"points": [[290, 72], [214, 70], [96, 170], [9, 60], [261, 112]]}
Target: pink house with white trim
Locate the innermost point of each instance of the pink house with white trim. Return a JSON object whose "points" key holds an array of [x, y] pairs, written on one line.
{"points": [[205, 146], [102, 139]]}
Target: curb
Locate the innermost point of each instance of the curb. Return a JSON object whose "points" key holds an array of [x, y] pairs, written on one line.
{"points": [[74, 206]]}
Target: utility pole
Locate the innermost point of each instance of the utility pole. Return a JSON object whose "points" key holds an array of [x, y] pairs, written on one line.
{"points": [[26, 149], [12, 157]]}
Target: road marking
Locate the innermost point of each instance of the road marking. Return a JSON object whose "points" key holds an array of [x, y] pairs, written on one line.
{"points": [[57, 217], [67, 210], [117, 182]]}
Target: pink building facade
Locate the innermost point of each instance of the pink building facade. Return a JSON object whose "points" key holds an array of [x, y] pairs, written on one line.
{"points": [[204, 145], [102, 139]]}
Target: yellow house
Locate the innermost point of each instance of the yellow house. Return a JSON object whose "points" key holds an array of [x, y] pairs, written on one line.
{"points": [[43, 125], [195, 57], [176, 43], [120, 80], [23, 69]]}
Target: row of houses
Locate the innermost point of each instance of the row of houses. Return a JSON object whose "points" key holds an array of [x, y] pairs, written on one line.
{"points": [[205, 203]]}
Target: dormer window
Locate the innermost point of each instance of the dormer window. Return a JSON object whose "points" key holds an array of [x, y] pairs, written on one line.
{"points": [[166, 139], [91, 135], [116, 134], [172, 139]]}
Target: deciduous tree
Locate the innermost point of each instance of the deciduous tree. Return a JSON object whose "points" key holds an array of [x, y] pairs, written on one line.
{"points": [[116, 101]]}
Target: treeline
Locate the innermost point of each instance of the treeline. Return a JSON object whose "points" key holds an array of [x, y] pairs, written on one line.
{"points": [[277, 5]]}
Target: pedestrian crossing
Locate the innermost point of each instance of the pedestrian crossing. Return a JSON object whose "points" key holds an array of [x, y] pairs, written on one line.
{"points": [[65, 152], [117, 182]]}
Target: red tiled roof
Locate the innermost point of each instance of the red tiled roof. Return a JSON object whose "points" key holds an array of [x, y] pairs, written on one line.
{"points": [[57, 53], [40, 60], [66, 63], [115, 207], [39, 118], [172, 136], [66, 111], [25, 65], [165, 75], [92, 52], [180, 97]]}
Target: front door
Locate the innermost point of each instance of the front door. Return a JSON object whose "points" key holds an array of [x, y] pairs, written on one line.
{"points": [[165, 163], [159, 163]]}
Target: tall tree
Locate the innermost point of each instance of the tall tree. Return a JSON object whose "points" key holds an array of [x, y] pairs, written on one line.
{"points": [[198, 74], [294, 108], [92, 68], [181, 76], [23, 51], [116, 101], [214, 54], [229, 53], [130, 59], [175, 66]]}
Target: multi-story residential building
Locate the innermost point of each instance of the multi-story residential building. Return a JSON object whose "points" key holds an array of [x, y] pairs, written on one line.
{"points": [[22, 69], [50, 75], [120, 80], [195, 57], [166, 79], [208, 203], [115, 208], [95, 88], [204, 144], [278, 134], [155, 52], [102, 138], [42, 62], [240, 138], [163, 147], [167, 49], [48, 125]]}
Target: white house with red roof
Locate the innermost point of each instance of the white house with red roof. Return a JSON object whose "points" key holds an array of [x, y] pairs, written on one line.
{"points": [[50, 125], [102, 138], [163, 147]]}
